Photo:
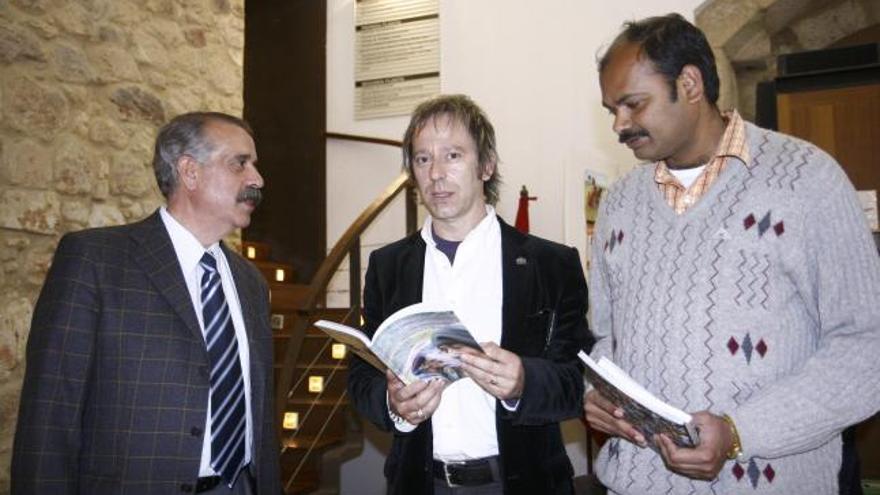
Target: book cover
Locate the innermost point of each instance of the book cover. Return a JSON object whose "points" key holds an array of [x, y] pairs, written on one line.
{"points": [[418, 342], [641, 408]]}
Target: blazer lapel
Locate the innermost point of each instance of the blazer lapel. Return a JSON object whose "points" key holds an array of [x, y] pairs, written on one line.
{"points": [[515, 268], [412, 272], [159, 261]]}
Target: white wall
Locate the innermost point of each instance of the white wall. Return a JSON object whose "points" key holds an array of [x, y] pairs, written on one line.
{"points": [[531, 66]]}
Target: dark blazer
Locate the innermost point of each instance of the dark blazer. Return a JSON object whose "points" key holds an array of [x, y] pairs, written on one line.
{"points": [[116, 387], [543, 321]]}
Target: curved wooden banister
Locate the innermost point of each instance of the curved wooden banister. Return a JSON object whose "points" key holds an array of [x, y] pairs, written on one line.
{"points": [[347, 245], [352, 235], [363, 139]]}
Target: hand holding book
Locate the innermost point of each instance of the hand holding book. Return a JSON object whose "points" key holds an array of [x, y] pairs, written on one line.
{"points": [[622, 407]]}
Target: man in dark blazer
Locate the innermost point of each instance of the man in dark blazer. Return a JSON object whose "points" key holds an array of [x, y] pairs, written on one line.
{"points": [[524, 299], [119, 380]]}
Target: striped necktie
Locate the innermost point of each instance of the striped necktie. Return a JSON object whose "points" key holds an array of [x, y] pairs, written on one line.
{"points": [[227, 384]]}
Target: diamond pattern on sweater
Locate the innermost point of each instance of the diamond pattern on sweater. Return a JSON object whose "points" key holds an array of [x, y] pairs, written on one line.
{"points": [[749, 221], [761, 347], [764, 224], [732, 346], [779, 228], [754, 473], [737, 471], [769, 473], [747, 348]]}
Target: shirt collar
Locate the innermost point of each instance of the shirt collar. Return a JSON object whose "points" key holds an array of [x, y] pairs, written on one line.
{"points": [[483, 226], [189, 250], [733, 144]]}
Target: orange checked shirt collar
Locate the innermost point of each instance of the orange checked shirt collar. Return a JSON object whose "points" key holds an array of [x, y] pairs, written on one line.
{"points": [[733, 144]]}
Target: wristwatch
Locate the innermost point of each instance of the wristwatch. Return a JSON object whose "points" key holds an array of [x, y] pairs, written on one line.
{"points": [[735, 453]]}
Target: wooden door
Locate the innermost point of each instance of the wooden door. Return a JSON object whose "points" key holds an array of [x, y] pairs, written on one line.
{"points": [[845, 122]]}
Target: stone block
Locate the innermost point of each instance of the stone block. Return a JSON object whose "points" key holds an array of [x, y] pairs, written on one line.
{"points": [[131, 175], [32, 108], [76, 213], [32, 6], [72, 65], [15, 318], [72, 18], [830, 25], [135, 103], [166, 31], [30, 210], [148, 49], [76, 166], [195, 37], [17, 46], [103, 215], [113, 64], [26, 163], [720, 20], [44, 29], [106, 131]]}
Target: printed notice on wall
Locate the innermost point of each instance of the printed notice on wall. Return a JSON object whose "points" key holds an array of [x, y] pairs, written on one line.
{"points": [[397, 56]]}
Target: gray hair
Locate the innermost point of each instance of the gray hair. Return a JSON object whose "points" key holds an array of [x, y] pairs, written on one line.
{"points": [[184, 135]]}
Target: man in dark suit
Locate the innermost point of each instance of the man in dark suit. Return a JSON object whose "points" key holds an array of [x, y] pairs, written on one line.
{"points": [[150, 352], [523, 297]]}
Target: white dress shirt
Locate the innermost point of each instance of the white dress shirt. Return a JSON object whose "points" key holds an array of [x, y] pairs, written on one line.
{"points": [[464, 422], [189, 252]]}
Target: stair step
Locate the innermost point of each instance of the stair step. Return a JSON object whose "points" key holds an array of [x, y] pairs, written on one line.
{"points": [[288, 297], [312, 418], [275, 272], [282, 319], [312, 345], [255, 251], [304, 442]]}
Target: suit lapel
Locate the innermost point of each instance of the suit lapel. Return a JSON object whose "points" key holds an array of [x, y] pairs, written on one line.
{"points": [[159, 261], [412, 270], [515, 269]]}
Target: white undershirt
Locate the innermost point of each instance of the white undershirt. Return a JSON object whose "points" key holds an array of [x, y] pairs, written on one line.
{"points": [[189, 252], [687, 176], [464, 422]]}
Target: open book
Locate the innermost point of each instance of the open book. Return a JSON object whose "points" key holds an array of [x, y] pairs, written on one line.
{"points": [[641, 408], [418, 342]]}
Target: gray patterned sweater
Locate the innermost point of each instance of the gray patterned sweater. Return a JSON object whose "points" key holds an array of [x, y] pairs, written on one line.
{"points": [[761, 301]]}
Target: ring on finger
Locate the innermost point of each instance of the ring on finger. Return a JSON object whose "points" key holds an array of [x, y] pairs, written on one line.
{"points": [[420, 413]]}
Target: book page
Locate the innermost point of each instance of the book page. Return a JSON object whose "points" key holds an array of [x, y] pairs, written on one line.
{"points": [[617, 387], [423, 342], [354, 339]]}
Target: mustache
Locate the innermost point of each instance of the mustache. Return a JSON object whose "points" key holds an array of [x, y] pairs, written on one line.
{"points": [[627, 134], [250, 194]]}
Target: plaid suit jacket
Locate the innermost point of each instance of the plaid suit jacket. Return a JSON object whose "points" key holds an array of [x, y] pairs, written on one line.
{"points": [[116, 386]]}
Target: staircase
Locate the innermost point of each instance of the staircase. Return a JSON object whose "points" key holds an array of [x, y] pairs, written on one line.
{"points": [[318, 428]]}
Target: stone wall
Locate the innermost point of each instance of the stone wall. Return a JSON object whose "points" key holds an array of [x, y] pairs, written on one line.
{"points": [[84, 85], [749, 35]]}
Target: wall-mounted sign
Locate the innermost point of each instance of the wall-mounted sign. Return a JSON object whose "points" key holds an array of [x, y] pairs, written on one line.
{"points": [[397, 56]]}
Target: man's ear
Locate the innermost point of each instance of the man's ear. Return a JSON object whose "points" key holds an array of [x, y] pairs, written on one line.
{"points": [[488, 169], [690, 83], [188, 172]]}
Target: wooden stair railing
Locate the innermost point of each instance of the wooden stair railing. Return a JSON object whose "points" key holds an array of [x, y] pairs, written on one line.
{"points": [[304, 307]]}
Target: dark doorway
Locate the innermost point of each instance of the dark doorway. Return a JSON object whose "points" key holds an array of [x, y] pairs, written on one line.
{"points": [[284, 101]]}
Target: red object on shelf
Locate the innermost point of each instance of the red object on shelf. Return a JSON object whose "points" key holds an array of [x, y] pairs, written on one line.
{"points": [[522, 211]]}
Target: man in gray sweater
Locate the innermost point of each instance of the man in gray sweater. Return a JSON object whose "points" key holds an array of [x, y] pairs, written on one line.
{"points": [[734, 276]]}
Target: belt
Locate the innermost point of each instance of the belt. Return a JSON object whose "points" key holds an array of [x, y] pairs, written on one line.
{"points": [[472, 472], [207, 483]]}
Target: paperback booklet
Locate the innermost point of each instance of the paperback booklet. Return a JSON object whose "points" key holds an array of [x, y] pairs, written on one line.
{"points": [[418, 342], [641, 408]]}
